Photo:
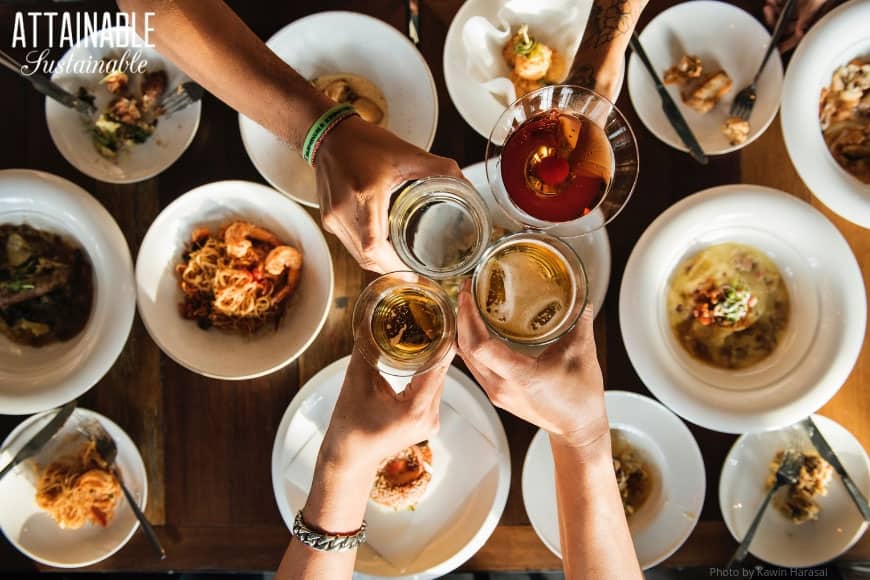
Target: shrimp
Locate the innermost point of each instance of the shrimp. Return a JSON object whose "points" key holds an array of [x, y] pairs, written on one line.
{"points": [[238, 236], [280, 259]]}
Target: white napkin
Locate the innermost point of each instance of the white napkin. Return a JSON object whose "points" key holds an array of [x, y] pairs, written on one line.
{"points": [[461, 457], [557, 23]]}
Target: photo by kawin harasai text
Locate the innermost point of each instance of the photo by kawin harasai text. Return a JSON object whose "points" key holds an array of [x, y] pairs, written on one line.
{"points": [[237, 279], [78, 489]]}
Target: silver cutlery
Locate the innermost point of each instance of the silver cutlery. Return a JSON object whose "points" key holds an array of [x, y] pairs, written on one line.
{"points": [[785, 475], [182, 96], [672, 112], [108, 449], [745, 99], [47, 87], [39, 440], [414, 21], [824, 449]]}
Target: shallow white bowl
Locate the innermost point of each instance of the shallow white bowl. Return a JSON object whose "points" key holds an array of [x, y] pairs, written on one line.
{"points": [[828, 309], [346, 42], [670, 513], [476, 104], [219, 354], [475, 516], [593, 248], [33, 532], [841, 35], [778, 541], [71, 134], [35, 379], [718, 33]]}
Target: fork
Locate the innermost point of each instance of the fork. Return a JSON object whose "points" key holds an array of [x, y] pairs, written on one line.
{"points": [[786, 474], [183, 95], [745, 99], [108, 449]]}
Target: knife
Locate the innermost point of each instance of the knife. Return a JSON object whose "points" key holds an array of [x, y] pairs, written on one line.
{"points": [[821, 445], [47, 87], [672, 112], [36, 443], [414, 21]]}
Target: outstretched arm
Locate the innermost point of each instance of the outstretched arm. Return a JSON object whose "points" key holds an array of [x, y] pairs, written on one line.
{"points": [[599, 58]]}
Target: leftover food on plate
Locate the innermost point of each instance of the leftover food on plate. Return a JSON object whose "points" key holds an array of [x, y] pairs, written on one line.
{"points": [[358, 91], [238, 278], [736, 130], [46, 286], [797, 501], [728, 305], [698, 90], [844, 114], [632, 474], [131, 116], [403, 478], [533, 64], [78, 489]]}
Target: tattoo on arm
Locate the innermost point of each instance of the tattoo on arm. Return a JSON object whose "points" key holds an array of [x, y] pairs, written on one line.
{"points": [[584, 75], [608, 19]]}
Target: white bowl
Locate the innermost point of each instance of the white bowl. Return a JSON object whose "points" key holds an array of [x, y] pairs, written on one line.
{"points": [[219, 354], [346, 42], [33, 532], [593, 248], [718, 33], [72, 136], [827, 299], [778, 541], [451, 522], [670, 513], [476, 103], [35, 379], [838, 37]]}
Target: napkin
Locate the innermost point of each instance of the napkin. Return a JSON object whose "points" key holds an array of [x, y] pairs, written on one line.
{"points": [[557, 23], [461, 457]]}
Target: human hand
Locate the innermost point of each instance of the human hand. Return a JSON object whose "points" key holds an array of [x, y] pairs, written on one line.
{"points": [[372, 422], [561, 391], [803, 15], [358, 166]]}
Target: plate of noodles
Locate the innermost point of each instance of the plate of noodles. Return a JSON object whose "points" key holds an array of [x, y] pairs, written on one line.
{"points": [[63, 508], [234, 280]]}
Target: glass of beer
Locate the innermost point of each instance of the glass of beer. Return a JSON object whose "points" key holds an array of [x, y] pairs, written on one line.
{"points": [[403, 324], [530, 288], [562, 159]]}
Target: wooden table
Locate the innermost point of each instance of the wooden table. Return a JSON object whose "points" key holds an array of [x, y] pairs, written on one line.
{"points": [[207, 443]]}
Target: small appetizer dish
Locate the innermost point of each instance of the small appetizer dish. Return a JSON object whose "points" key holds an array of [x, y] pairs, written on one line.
{"points": [[809, 522], [64, 507], [234, 280], [130, 138], [692, 45]]}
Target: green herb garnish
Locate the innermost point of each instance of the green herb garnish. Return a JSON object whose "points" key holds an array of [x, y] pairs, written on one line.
{"points": [[17, 286], [526, 44]]}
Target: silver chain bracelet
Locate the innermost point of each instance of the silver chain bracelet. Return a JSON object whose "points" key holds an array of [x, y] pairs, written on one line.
{"points": [[327, 542]]}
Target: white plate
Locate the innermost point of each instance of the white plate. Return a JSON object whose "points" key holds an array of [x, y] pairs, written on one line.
{"points": [[718, 33], [219, 354], [828, 309], [71, 134], [670, 513], [476, 104], [472, 516], [36, 379], [778, 541], [838, 37], [346, 42], [33, 532], [593, 249]]}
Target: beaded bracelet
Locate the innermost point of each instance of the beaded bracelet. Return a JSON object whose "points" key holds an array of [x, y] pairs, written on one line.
{"points": [[323, 125]]}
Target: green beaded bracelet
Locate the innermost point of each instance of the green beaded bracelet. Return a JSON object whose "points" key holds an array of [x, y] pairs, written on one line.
{"points": [[322, 126]]}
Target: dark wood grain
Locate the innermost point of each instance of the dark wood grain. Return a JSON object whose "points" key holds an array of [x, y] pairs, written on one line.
{"points": [[207, 443]]}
